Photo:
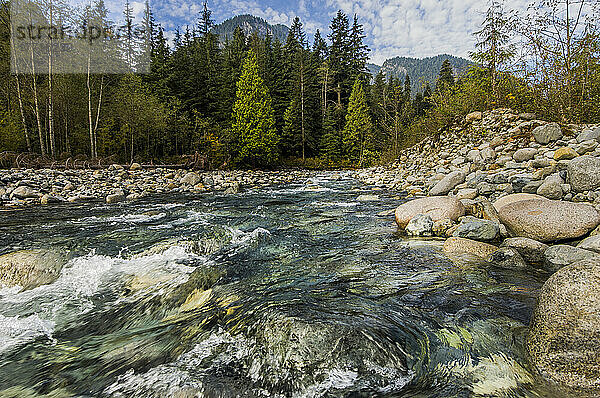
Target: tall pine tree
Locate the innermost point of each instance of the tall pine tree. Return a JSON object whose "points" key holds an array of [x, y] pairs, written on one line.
{"points": [[254, 137], [357, 135]]}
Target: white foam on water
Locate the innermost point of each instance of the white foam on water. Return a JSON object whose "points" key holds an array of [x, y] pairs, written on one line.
{"points": [[336, 379], [16, 331], [72, 293], [124, 218]]}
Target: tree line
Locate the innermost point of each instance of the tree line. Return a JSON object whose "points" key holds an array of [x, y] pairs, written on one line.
{"points": [[253, 101]]}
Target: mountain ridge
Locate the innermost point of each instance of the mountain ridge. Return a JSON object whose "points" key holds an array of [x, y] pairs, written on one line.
{"points": [[249, 24]]}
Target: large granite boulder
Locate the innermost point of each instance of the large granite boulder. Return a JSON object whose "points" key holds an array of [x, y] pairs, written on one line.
{"points": [[564, 336], [448, 183], [547, 133], [549, 220], [191, 178], [438, 208], [30, 268], [514, 197], [455, 245], [507, 258], [584, 173]]}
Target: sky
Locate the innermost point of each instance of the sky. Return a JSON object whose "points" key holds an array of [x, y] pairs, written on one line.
{"points": [[411, 28]]}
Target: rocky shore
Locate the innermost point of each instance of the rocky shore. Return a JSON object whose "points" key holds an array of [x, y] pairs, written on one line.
{"points": [[116, 183], [524, 194]]}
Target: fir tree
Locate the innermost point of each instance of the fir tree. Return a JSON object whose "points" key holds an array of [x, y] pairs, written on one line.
{"points": [[340, 54], [446, 77], [254, 136], [357, 135], [359, 51]]}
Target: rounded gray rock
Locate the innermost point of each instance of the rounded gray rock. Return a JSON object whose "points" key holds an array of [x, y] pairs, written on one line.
{"points": [[438, 208], [584, 173], [549, 220], [545, 134], [531, 250], [448, 183], [508, 258], [559, 256], [563, 340]]}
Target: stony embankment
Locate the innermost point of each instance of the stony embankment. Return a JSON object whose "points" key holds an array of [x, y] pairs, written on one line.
{"points": [[115, 184], [521, 194]]}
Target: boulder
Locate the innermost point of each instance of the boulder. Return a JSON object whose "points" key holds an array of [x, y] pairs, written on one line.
{"points": [[473, 116], [527, 116], [565, 153], [531, 250], [30, 268], [438, 208], [513, 198], [591, 243], [466, 193], [448, 183], [587, 135], [477, 229], [474, 156], [135, 167], [116, 197], [524, 154], [420, 225], [457, 245], [507, 258], [547, 133], [563, 341], [191, 178], [559, 256], [23, 192], [549, 220], [488, 154], [551, 188], [584, 173]]}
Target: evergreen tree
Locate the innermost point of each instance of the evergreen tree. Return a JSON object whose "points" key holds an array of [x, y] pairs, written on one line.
{"points": [[254, 136], [357, 136], [446, 77], [359, 51], [340, 53], [331, 141]]}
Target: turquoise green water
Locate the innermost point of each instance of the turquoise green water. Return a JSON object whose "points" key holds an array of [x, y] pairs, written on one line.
{"points": [[297, 291]]}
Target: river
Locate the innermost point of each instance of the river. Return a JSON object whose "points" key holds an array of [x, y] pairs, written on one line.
{"points": [[293, 291]]}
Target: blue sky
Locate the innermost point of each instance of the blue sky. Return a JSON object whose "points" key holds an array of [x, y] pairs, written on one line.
{"points": [[413, 28]]}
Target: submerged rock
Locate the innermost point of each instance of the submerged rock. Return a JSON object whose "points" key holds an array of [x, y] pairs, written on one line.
{"points": [[30, 268], [438, 208], [559, 256], [477, 229], [549, 220], [564, 338], [457, 245], [420, 225], [531, 250], [508, 258]]}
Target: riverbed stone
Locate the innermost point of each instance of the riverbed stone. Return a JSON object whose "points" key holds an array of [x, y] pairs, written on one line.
{"points": [[473, 116], [524, 154], [591, 243], [564, 340], [24, 192], [448, 183], [456, 245], [191, 179], [420, 225], [438, 208], [508, 258], [565, 153], [116, 197], [547, 133], [135, 167], [584, 173], [549, 220], [513, 198], [477, 229], [551, 188], [558, 256], [531, 250], [589, 134], [30, 268]]}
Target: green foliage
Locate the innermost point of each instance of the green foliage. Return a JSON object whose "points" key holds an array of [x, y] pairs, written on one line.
{"points": [[357, 135], [254, 137]]}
